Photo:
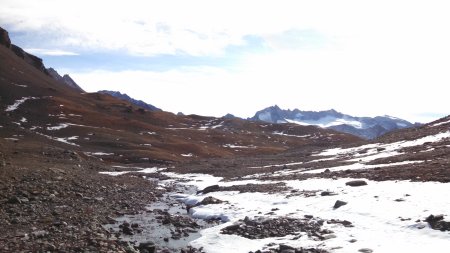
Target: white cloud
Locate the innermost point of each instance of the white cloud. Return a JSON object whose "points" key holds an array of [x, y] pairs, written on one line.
{"points": [[49, 52], [360, 57], [304, 81]]}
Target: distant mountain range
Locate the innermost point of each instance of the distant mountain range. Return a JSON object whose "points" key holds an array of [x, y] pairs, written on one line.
{"points": [[365, 127], [136, 102]]}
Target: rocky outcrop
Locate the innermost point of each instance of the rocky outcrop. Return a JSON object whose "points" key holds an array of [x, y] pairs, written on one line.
{"points": [[66, 79], [4, 38], [29, 58]]}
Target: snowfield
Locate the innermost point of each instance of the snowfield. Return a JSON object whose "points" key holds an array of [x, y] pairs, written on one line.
{"points": [[384, 216], [387, 216]]}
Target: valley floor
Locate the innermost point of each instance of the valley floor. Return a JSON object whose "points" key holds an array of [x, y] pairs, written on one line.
{"points": [[379, 197]]}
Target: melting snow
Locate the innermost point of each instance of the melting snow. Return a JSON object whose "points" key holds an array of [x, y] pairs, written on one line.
{"points": [[16, 104], [11, 139], [327, 121], [291, 135], [371, 152], [117, 173], [440, 123], [236, 146], [99, 153], [58, 127], [381, 222], [65, 140]]}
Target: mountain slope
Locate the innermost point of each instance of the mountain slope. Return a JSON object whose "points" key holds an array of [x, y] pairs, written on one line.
{"points": [[39, 109], [364, 127]]}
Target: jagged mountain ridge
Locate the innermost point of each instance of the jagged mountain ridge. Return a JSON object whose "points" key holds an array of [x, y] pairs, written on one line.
{"points": [[364, 127], [65, 79], [37, 62], [125, 97], [41, 110]]}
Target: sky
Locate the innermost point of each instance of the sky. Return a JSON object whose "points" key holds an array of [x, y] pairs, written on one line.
{"points": [[363, 58]]}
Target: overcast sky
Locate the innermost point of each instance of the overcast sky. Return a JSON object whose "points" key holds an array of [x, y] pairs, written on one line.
{"points": [[363, 58]]}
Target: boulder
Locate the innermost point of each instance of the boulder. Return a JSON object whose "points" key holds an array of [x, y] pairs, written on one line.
{"points": [[356, 183], [147, 246], [339, 203], [211, 188]]}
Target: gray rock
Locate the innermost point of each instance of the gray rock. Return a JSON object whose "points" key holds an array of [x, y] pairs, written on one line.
{"points": [[149, 246], [365, 250], [339, 203], [356, 183]]}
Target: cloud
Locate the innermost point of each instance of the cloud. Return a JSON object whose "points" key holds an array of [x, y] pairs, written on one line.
{"points": [[265, 80], [49, 52], [359, 57]]}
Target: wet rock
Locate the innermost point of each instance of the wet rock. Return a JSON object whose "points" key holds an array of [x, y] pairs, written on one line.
{"points": [[212, 188], [127, 231], [327, 193], [355, 183], [278, 227], [209, 201], [437, 222], [148, 246], [286, 247], [339, 203]]}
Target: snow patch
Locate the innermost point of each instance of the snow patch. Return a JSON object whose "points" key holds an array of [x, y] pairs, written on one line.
{"points": [[237, 146], [145, 170], [17, 103], [440, 123], [327, 121], [58, 127], [291, 135]]}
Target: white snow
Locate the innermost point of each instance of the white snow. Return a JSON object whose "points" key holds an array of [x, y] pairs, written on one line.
{"points": [[440, 123], [58, 127], [11, 139], [145, 170], [237, 146], [65, 140], [327, 121], [374, 211], [99, 153], [218, 125], [187, 155], [291, 135], [23, 120], [276, 165], [379, 150], [17, 103]]}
